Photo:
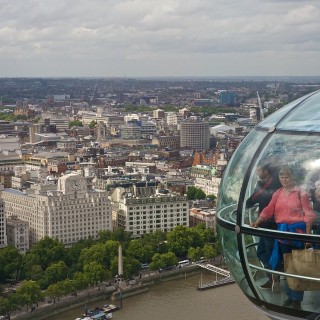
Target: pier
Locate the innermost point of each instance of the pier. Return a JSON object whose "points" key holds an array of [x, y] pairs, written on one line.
{"points": [[227, 278]]}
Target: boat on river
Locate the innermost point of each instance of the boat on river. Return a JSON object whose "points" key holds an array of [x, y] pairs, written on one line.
{"points": [[97, 313]]}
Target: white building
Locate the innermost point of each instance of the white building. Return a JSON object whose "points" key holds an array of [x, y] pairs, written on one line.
{"points": [[68, 211], [18, 233], [208, 185], [173, 118], [146, 214]]}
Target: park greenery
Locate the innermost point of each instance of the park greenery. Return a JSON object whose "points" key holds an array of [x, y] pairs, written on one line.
{"points": [[75, 123], [195, 193], [49, 269]]}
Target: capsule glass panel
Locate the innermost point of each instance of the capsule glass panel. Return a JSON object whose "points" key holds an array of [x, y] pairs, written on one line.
{"points": [[255, 256]]}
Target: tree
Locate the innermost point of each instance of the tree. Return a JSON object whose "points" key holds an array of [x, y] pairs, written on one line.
{"points": [[10, 263], [209, 251], [195, 253], [180, 240], [7, 305], [46, 251], [211, 197], [73, 254], [194, 193], [139, 251], [105, 235], [54, 273], [75, 123], [156, 240], [160, 261], [131, 267], [95, 272], [102, 253], [199, 195], [92, 124], [53, 292], [80, 280], [191, 193], [30, 293], [122, 236]]}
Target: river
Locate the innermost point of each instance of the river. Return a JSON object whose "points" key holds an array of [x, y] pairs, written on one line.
{"points": [[180, 300]]}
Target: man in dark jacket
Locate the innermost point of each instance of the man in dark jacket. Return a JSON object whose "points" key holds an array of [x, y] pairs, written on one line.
{"points": [[267, 184]]}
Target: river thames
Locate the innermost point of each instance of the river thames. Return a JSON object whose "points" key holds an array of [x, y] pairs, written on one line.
{"points": [[180, 300]]}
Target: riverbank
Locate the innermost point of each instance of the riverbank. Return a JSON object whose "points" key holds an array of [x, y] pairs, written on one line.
{"points": [[137, 286]]}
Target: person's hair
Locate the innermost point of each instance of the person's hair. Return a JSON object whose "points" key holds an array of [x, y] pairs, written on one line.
{"points": [[265, 165], [286, 169]]}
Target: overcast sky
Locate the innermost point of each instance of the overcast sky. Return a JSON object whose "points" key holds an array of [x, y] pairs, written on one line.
{"points": [[131, 38]]}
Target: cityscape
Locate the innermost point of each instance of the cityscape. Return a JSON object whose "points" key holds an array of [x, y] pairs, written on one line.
{"points": [[132, 136], [82, 159]]}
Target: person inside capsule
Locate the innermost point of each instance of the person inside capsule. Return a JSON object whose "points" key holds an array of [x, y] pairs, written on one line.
{"points": [[292, 211], [267, 184]]}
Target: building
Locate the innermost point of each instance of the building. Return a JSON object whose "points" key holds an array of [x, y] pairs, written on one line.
{"points": [[68, 210], [172, 142], [6, 178], [208, 185], [148, 213], [203, 215], [227, 98], [130, 130], [10, 159], [159, 113], [18, 233], [173, 118], [194, 134], [3, 233]]}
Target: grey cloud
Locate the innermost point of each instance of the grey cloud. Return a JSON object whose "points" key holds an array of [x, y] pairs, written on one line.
{"points": [[66, 34]]}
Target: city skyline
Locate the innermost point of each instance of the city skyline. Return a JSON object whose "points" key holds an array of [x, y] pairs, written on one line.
{"points": [[145, 38]]}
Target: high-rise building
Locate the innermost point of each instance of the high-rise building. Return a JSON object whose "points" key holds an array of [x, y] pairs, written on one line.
{"points": [[147, 213], [3, 234], [68, 211], [194, 134], [227, 97]]}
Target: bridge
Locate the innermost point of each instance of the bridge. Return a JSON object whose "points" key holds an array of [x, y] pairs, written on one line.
{"points": [[227, 278], [215, 269]]}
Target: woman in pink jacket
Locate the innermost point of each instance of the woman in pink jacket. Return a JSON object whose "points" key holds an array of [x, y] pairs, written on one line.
{"points": [[292, 211]]}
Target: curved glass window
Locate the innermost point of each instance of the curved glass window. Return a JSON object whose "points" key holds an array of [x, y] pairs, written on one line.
{"points": [[274, 118], [234, 174], [305, 118], [258, 235]]}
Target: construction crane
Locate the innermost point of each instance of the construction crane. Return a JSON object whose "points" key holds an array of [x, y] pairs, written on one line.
{"points": [[260, 106]]}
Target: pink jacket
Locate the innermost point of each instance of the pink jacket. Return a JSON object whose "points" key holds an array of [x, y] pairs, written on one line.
{"points": [[289, 208]]}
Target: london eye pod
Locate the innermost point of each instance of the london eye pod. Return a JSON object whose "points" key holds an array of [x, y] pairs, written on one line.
{"points": [[291, 137]]}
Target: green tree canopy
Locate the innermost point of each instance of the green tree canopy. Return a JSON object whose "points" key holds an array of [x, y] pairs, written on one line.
{"points": [[92, 124], [209, 251], [55, 272], [180, 240], [195, 193], [160, 261], [95, 272], [10, 263], [102, 253], [75, 123], [30, 293], [195, 253], [46, 251]]}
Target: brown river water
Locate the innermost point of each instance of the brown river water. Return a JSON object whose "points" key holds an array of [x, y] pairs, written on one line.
{"points": [[180, 300]]}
